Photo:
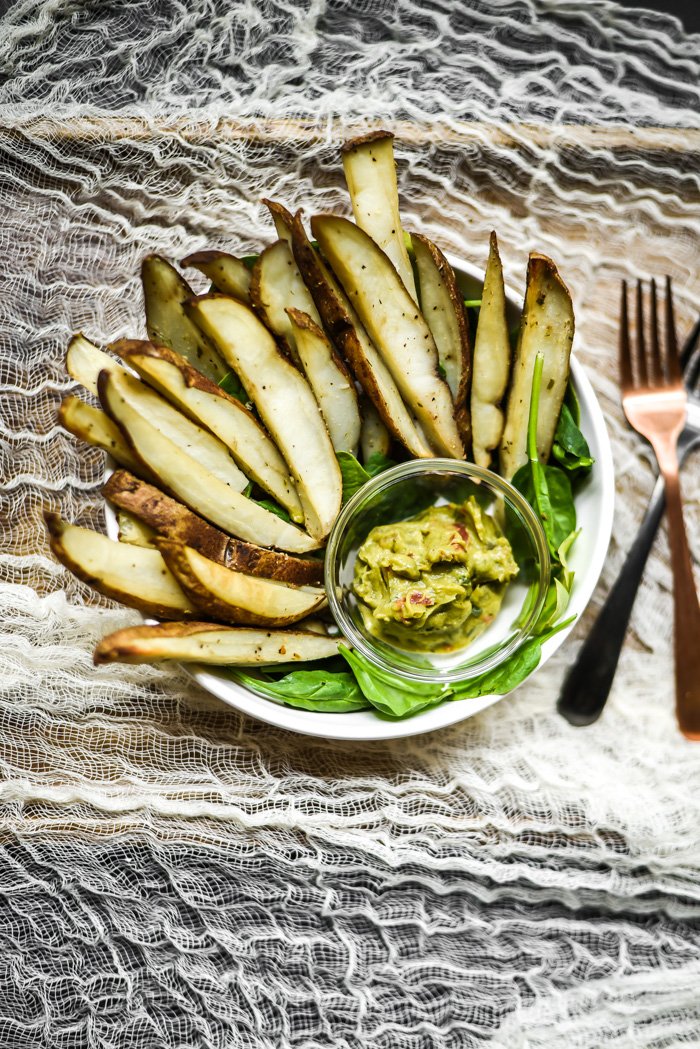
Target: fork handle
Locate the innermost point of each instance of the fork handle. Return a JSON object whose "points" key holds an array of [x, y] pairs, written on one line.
{"points": [[686, 612], [587, 685]]}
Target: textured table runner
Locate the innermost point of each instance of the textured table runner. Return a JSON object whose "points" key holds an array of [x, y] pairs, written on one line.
{"points": [[172, 874]]}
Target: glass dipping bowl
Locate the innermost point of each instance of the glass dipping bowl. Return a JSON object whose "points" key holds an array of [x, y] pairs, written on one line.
{"points": [[400, 493]]}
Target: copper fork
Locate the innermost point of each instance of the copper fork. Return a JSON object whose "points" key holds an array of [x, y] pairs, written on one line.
{"points": [[654, 401]]}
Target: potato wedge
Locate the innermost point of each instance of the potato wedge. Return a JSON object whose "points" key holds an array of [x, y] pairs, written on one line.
{"points": [[209, 406], [185, 478], [133, 575], [167, 517], [395, 325], [374, 437], [284, 401], [164, 292], [492, 362], [370, 172], [227, 273], [344, 327], [212, 644], [276, 286], [332, 384], [442, 306], [235, 597], [94, 427], [547, 327], [199, 444], [282, 219], [85, 361], [134, 531]]}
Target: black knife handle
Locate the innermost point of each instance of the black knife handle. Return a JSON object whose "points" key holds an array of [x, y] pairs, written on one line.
{"points": [[587, 685]]}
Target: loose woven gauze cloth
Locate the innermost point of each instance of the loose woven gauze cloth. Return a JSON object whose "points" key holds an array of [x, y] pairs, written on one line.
{"points": [[172, 874]]}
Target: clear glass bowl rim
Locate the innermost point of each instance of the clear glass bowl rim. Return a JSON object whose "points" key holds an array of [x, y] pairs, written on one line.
{"points": [[387, 479]]}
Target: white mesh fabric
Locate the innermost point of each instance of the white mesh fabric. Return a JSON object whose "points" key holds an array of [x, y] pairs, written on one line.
{"points": [[173, 874]]}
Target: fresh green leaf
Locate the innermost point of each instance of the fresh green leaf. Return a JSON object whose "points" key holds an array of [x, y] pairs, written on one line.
{"points": [[274, 508], [570, 447], [472, 304], [571, 401], [555, 605], [233, 386], [441, 371], [377, 463], [319, 690], [353, 474], [250, 260], [513, 672], [388, 693], [556, 496], [567, 575], [247, 490]]}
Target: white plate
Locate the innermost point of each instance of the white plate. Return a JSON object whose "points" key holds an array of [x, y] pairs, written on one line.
{"points": [[594, 508]]}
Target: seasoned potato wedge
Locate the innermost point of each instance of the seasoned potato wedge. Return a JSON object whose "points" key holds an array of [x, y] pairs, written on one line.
{"points": [[492, 361], [547, 327], [209, 406], [213, 644], [281, 218], [374, 437], [277, 285], [164, 292], [284, 401], [370, 172], [395, 325], [185, 478], [85, 361], [133, 575], [168, 518], [344, 326], [332, 384], [227, 273], [134, 531], [442, 306], [94, 427], [235, 597]]}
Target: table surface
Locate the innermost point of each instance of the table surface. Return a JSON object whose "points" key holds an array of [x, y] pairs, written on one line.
{"points": [[173, 874]]}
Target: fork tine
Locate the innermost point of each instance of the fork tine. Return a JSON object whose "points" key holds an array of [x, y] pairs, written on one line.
{"points": [[640, 356], [656, 367], [690, 345], [692, 373], [625, 363], [671, 345]]}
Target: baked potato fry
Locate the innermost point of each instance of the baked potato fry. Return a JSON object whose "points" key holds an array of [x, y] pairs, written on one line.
{"points": [[94, 427], [235, 597], [228, 274], [344, 327], [213, 644], [546, 327], [284, 401], [134, 531], [395, 325], [186, 479], [375, 439], [85, 361], [442, 306], [211, 407], [492, 362], [169, 518], [370, 173], [332, 384], [282, 219], [276, 286], [134, 575], [164, 292]]}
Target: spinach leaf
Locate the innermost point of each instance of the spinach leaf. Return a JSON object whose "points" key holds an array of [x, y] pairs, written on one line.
{"points": [[274, 508], [472, 303], [388, 693], [513, 672], [555, 506], [355, 475], [233, 386], [250, 260], [570, 447], [319, 690], [247, 490]]}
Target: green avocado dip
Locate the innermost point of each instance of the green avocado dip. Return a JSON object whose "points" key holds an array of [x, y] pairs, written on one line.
{"points": [[434, 582]]}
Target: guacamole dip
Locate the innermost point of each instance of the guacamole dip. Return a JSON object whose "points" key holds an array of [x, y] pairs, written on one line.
{"points": [[436, 581]]}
